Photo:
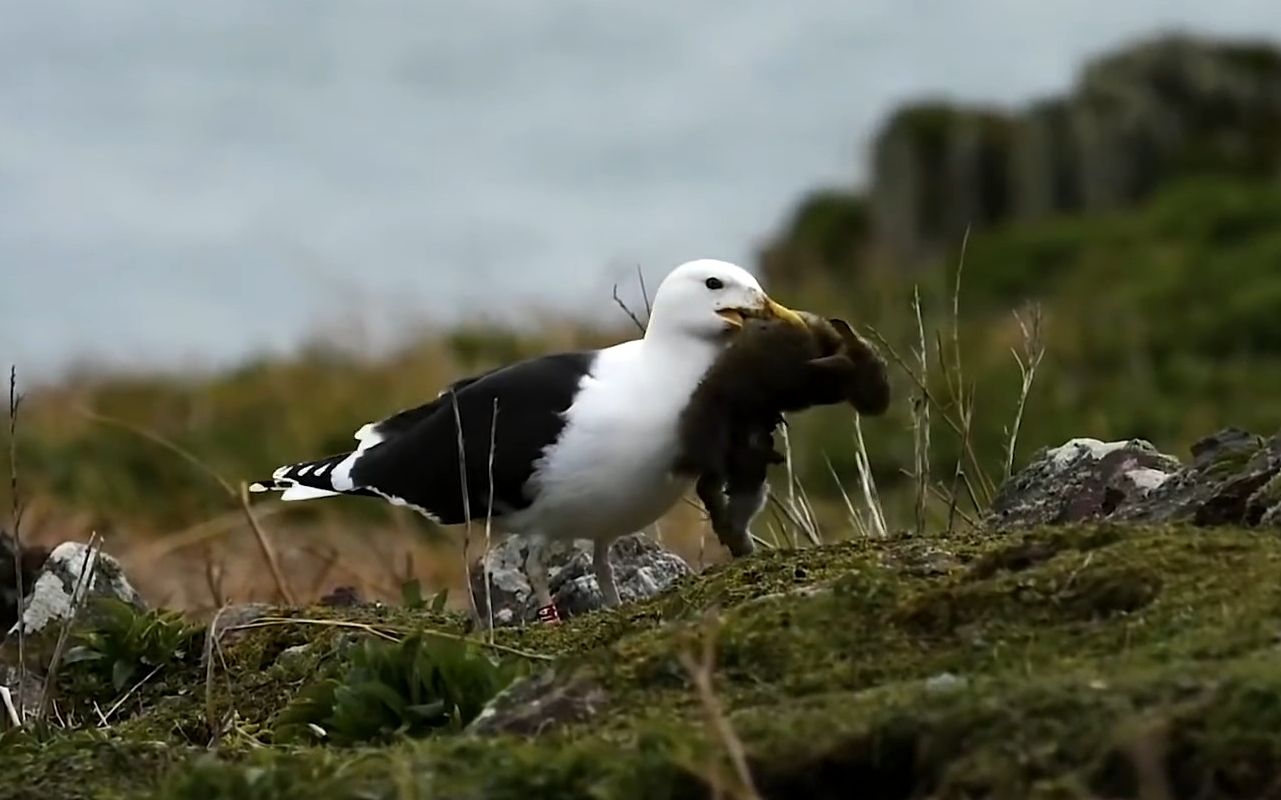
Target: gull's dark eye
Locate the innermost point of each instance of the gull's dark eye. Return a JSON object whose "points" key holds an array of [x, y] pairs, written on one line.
{"points": [[714, 284]]}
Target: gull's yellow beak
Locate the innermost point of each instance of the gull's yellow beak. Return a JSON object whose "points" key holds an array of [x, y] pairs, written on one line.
{"points": [[780, 312], [768, 309]]}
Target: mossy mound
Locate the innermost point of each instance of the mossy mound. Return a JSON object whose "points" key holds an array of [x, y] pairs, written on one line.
{"points": [[1063, 662]]}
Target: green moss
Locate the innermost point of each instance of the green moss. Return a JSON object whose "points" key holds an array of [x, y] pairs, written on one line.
{"points": [[1031, 666]]}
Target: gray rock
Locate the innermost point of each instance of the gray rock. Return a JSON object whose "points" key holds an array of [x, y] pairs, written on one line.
{"points": [[642, 568], [51, 596], [945, 682], [1225, 483], [1084, 479], [1234, 478], [226, 622], [540, 702]]}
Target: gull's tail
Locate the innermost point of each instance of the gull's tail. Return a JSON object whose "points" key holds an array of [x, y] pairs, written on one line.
{"points": [[308, 480]]}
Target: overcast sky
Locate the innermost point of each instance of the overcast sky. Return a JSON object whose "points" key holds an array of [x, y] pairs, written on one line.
{"points": [[189, 183]]}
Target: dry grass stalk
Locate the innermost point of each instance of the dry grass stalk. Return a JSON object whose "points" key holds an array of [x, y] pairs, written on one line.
{"points": [[79, 595], [921, 418], [856, 519], [236, 496], [958, 474], [489, 518], [15, 524], [116, 705], [936, 404], [802, 511], [871, 498], [701, 672], [1033, 350], [466, 497], [214, 574], [389, 633], [268, 553], [214, 723], [649, 309]]}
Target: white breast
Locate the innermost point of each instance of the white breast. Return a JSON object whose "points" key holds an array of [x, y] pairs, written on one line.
{"points": [[609, 474]]}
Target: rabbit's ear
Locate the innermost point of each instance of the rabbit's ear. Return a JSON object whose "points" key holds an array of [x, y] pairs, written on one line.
{"points": [[843, 328]]}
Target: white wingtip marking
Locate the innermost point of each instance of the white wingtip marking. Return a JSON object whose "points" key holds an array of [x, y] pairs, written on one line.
{"points": [[305, 469], [300, 492], [257, 487]]}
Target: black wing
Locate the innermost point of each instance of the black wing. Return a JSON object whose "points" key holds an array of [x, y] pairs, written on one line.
{"points": [[419, 464]]}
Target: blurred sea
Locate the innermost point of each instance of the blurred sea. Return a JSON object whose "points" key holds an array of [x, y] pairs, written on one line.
{"points": [[184, 184]]}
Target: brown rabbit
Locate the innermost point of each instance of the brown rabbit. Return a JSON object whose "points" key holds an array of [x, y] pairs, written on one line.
{"points": [[727, 431]]}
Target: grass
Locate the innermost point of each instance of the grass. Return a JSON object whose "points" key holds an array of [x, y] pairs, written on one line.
{"points": [[1071, 652], [1110, 363]]}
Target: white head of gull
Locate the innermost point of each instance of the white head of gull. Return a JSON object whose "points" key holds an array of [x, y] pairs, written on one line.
{"points": [[584, 442]]}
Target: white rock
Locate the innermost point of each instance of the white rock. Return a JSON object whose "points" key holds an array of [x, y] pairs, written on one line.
{"points": [[1073, 449], [51, 596], [1147, 479]]}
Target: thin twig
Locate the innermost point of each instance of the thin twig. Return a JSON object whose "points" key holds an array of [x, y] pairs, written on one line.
{"points": [[870, 495], [164, 442], [1033, 351], [235, 496], [212, 635], [921, 418], [934, 401], [78, 596], [956, 306], [389, 633], [264, 545], [15, 508], [701, 673], [489, 518], [213, 578], [967, 417], [462, 478], [649, 308], [116, 705], [856, 519], [635, 319]]}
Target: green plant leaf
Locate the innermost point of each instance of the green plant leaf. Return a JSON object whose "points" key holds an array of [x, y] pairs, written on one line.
{"points": [[438, 602], [411, 594], [121, 673]]}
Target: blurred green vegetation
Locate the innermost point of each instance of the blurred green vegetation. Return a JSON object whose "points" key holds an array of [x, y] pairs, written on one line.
{"points": [[1160, 322]]}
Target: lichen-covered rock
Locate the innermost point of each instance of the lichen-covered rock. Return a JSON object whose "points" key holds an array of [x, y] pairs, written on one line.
{"points": [[541, 702], [642, 568], [1081, 480], [1234, 478], [1221, 486], [51, 596]]}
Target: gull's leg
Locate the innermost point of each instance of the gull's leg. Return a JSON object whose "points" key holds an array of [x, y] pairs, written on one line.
{"points": [[605, 573], [536, 571], [744, 504]]}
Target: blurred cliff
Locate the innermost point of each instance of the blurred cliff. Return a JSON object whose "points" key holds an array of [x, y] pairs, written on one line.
{"points": [[1136, 120]]}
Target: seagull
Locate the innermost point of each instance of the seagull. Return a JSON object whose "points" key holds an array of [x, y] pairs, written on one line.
{"points": [[584, 443]]}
